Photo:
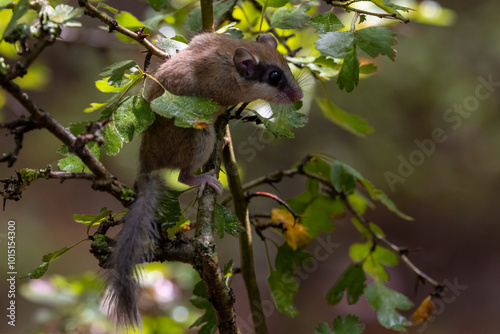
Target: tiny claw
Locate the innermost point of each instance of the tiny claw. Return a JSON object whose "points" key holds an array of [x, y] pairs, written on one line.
{"points": [[201, 180]]}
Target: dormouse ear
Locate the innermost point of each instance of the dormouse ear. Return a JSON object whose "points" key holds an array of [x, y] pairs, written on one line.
{"points": [[268, 39], [244, 62]]}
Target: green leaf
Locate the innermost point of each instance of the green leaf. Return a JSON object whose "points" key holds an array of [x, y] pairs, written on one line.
{"points": [[63, 14], [349, 122], [376, 40], [106, 6], [290, 18], [169, 209], [389, 7], [277, 130], [171, 46], [128, 20], [19, 10], [159, 4], [273, 3], [113, 141], [323, 66], [380, 196], [37, 272], [374, 259], [283, 287], [352, 281], [343, 181], [326, 22], [288, 115], [287, 259], [386, 302], [226, 221], [350, 326], [349, 72], [189, 111], [323, 328], [367, 68], [72, 163], [208, 319], [317, 212], [228, 268], [116, 72], [335, 44], [132, 116]]}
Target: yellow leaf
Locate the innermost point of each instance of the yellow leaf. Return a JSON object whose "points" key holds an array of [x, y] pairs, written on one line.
{"points": [[295, 234], [424, 311]]}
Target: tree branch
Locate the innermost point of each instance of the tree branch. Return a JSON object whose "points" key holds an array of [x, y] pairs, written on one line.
{"points": [[92, 11], [207, 15], [346, 7], [247, 261], [206, 262], [104, 180]]}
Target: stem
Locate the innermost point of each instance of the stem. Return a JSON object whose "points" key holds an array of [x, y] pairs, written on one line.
{"points": [[247, 262], [206, 262], [207, 15]]}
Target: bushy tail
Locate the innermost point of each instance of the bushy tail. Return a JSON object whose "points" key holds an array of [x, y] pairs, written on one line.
{"points": [[132, 247]]}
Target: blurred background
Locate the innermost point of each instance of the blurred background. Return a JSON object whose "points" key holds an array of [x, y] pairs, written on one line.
{"points": [[452, 192]]}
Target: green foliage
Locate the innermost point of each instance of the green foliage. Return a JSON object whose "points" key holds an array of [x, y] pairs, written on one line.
{"points": [[19, 10], [344, 44], [386, 302], [284, 116], [46, 259], [374, 259], [283, 287], [189, 111], [226, 221], [326, 22], [208, 320], [349, 122], [352, 281], [351, 325], [290, 18]]}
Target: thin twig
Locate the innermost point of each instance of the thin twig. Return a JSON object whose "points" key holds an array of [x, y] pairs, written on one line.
{"points": [[92, 11], [346, 6]]}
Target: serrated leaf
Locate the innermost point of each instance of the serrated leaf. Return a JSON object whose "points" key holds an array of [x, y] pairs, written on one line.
{"points": [[323, 328], [375, 41], [288, 115], [382, 197], [335, 44], [64, 13], [351, 325], [108, 7], [208, 320], [367, 68], [317, 212], [132, 116], [323, 66], [290, 18], [169, 209], [37, 272], [374, 259], [295, 234], [424, 312], [113, 142], [95, 106], [352, 123], [226, 221], [17, 12], [171, 46], [116, 72], [353, 281], [72, 163], [343, 181], [277, 130], [189, 111], [283, 287], [159, 4], [128, 20], [326, 22], [386, 302], [287, 258], [349, 72], [273, 3]]}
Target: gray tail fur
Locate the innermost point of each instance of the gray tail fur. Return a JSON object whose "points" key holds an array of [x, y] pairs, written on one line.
{"points": [[133, 246]]}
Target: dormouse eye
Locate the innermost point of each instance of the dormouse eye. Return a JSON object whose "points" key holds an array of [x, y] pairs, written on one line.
{"points": [[274, 78]]}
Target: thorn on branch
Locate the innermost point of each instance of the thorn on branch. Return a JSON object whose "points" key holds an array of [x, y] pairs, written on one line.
{"points": [[276, 198]]}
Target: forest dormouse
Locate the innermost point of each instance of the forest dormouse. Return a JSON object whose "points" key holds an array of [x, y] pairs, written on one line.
{"points": [[216, 66]]}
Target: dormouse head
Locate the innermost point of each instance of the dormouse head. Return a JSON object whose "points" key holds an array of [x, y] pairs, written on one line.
{"points": [[267, 72]]}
